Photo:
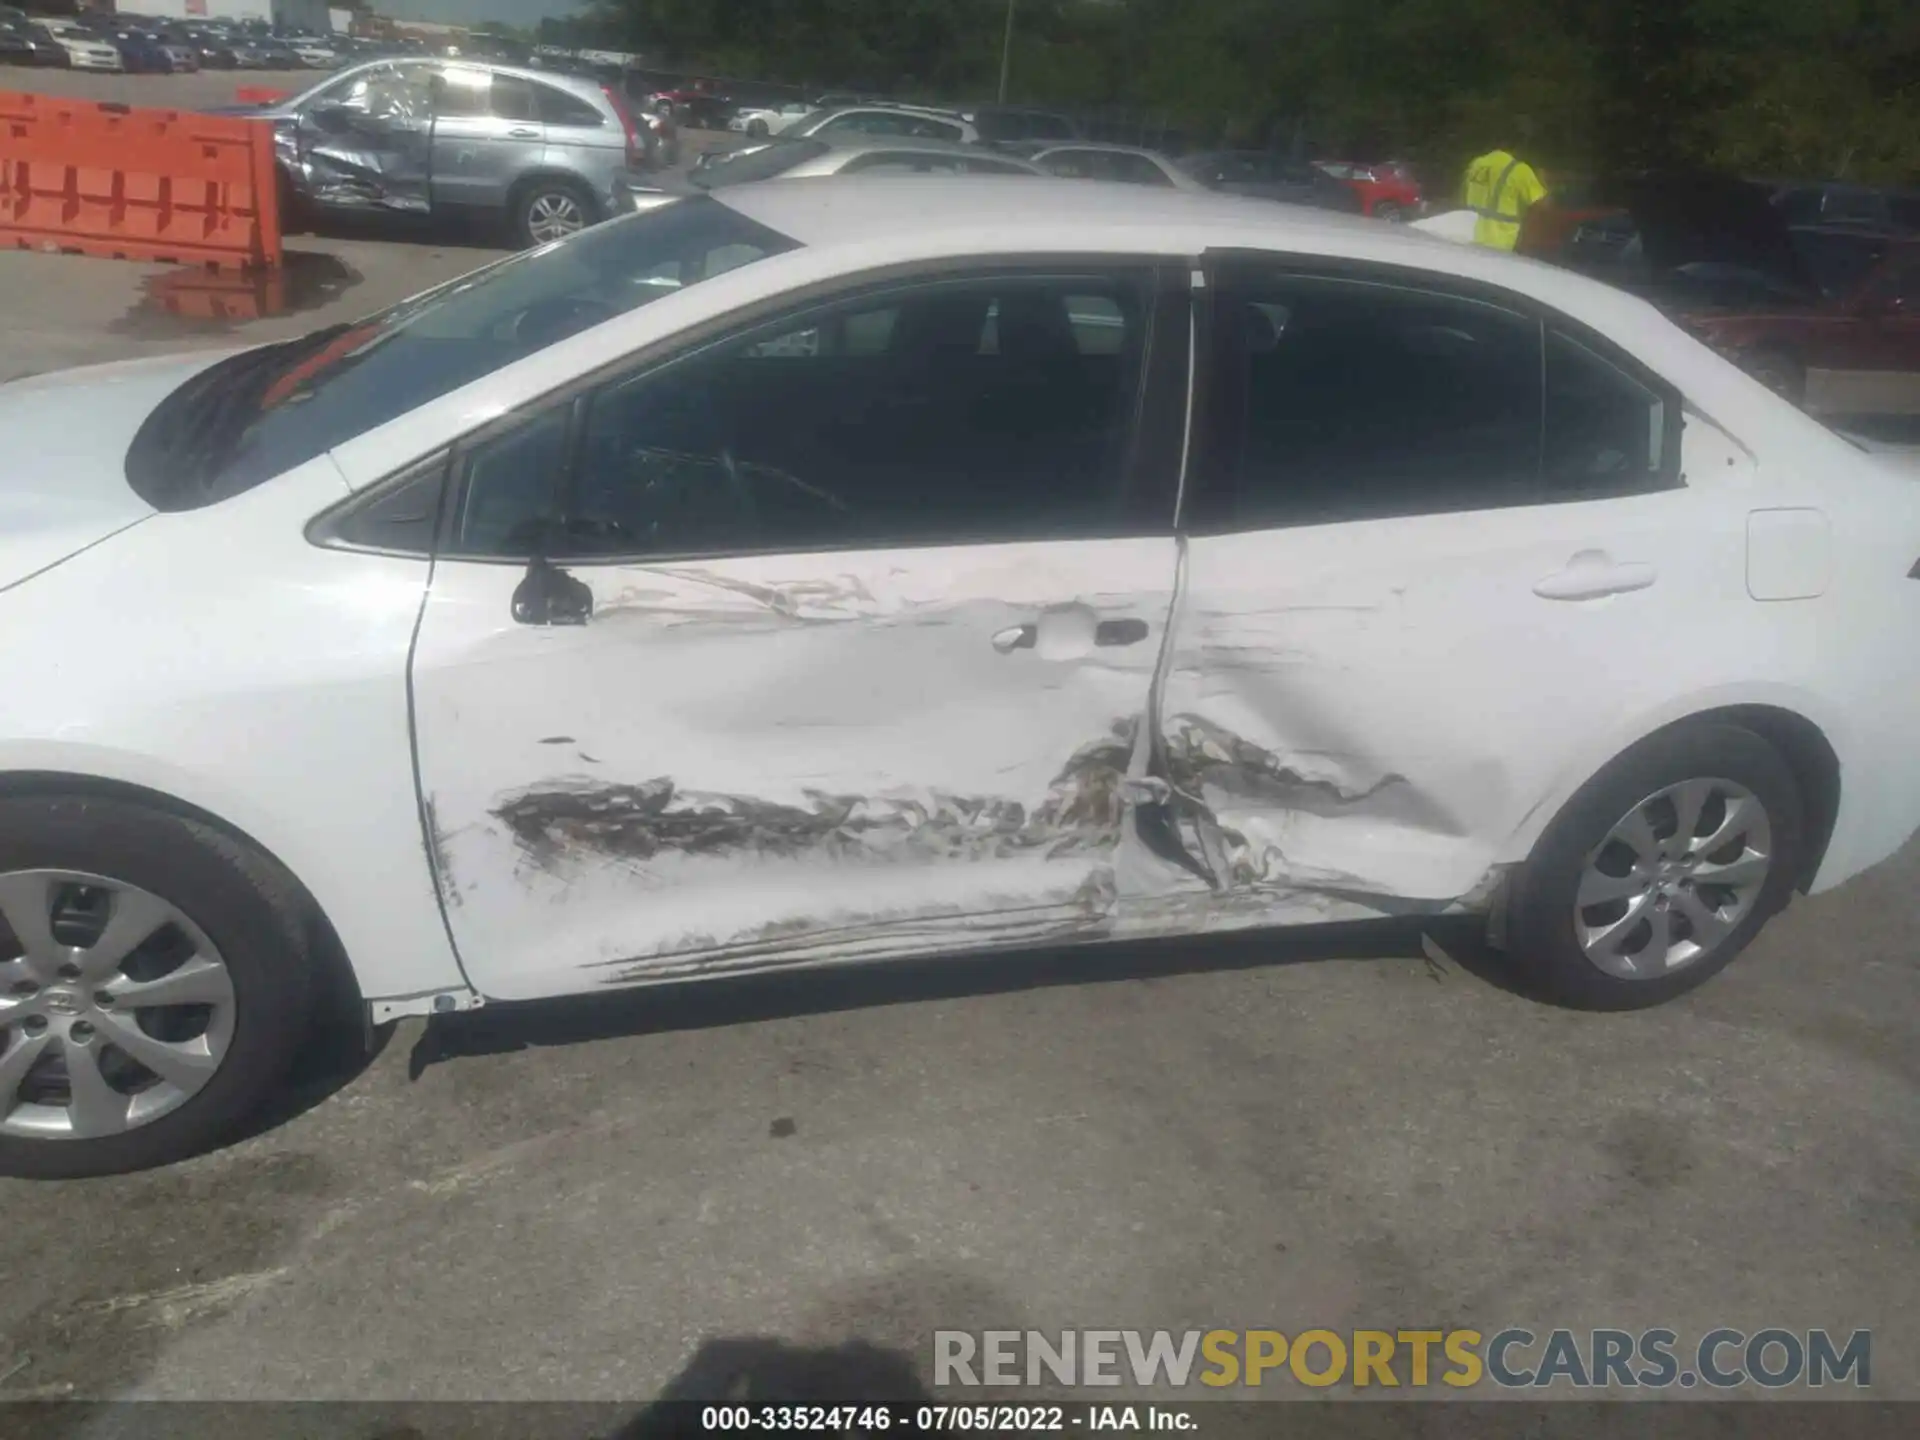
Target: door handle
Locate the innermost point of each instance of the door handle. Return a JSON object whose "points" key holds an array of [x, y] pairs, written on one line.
{"points": [[1119, 632], [1016, 637], [523, 134], [1592, 574]]}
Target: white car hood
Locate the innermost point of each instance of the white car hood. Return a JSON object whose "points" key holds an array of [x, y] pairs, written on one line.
{"points": [[63, 448]]}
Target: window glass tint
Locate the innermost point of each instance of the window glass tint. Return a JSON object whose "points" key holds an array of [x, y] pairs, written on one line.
{"points": [[260, 413], [880, 421], [983, 165], [559, 108], [1606, 433], [458, 90], [513, 99], [1346, 400]]}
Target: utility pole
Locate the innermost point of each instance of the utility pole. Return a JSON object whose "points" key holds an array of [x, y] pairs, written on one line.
{"points": [[1006, 53]]}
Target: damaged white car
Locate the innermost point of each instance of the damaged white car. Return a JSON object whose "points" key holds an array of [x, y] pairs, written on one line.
{"points": [[848, 570]]}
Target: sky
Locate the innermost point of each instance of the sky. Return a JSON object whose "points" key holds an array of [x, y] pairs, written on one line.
{"points": [[474, 12]]}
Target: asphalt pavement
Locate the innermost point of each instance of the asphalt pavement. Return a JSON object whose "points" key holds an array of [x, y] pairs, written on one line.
{"points": [[1343, 1129]]}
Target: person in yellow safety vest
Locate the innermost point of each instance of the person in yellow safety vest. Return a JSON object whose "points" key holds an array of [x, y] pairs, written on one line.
{"points": [[1500, 187]]}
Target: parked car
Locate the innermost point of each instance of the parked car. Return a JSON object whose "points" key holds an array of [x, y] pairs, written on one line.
{"points": [[1387, 191], [1084, 160], [182, 54], [1838, 203], [958, 634], [663, 135], [761, 121], [900, 121], [215, 52], [85, 50], [1002, 123], [21, 45], [545, 153], [786, 158], [694, 109], [140, 53], [315, 54], [1791, 304], [1269, 175]]}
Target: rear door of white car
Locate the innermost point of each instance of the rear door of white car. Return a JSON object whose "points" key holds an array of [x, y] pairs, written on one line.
{"points": [[1440, 555], [838, 641]]}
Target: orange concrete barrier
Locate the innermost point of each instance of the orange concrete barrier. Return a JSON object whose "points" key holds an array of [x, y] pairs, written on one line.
{"points": [[259, 95], [106, 179]]}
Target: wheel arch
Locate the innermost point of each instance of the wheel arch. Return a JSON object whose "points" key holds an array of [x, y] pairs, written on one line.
{"points": [[1802, 742], [552, 174], [339, 984]]}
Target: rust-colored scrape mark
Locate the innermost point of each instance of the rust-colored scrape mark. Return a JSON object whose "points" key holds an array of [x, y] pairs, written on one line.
{"points": [[1082, 811]]}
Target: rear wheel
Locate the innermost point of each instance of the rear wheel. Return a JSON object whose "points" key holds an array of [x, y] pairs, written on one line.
{"points": [[548, 210], [153, 985], [1660, 870], [1386, 210]]}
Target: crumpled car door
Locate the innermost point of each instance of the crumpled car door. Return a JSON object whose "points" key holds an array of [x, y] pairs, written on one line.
{"points": [[373, 151]]}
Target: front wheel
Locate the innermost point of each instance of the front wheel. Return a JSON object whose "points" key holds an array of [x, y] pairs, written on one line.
{"points": [[1660, 870], [153, 985]]}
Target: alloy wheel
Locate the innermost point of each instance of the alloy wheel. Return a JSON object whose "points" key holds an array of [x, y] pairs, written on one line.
{"points": [[1675, 876], [554, 215], [115, 1008]]}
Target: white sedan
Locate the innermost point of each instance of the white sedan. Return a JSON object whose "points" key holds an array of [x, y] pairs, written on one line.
{"points": [[853, 569]]}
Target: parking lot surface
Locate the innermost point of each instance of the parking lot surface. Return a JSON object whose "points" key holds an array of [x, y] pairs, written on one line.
{"points": [[1342, 1129]]}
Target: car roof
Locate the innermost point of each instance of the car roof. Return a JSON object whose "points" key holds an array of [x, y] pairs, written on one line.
{"points": [[893, 144], [1047, 147]]}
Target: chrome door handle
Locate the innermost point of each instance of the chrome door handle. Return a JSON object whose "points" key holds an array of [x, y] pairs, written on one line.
{"points": [[523, 134], [1592, 574], [1016, 637]]}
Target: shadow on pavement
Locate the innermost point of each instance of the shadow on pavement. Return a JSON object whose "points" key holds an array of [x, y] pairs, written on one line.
{"points": [[762, 1372], [710, 1004]]}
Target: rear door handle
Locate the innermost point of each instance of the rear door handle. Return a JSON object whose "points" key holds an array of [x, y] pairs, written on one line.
{"points": [[523, 134], [1592, 574], [1107, 633]]}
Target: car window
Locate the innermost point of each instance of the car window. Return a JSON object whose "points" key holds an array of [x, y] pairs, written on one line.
{"points": [[925, 127], [1048, 127], [1348, 400], [513, 99], [1605, 432], [882, 420], [462, 90], [1139, 170], [757, 162], [557, 107], [266, 410]]}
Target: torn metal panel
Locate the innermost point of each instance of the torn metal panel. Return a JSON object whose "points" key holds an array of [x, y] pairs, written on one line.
{"points": [[734, 760]]}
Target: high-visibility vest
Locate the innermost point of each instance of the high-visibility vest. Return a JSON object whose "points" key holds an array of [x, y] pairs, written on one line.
{"points": [[1499, 188]]}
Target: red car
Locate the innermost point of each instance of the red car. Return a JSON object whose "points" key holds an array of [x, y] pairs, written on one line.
{"points": [[1854, 352], [1387, 191]]}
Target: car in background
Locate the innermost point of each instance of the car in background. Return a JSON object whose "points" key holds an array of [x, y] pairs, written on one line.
{"points": [[760, 121], [829, 590], [182, 54], [24, 43], [85, 49], [663, 134], [694, 109], [1387, 191], [140, 53], [1270, 175], [1126, 164], [1837, 202], [545, 154], [315, 53], [215, 52], [784, 157], [1011, 124], [898, 121], [1854, 348], [271, 54]]}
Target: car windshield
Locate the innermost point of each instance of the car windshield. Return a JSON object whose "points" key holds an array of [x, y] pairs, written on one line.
{"points": [[262, 412], [758, 162]]}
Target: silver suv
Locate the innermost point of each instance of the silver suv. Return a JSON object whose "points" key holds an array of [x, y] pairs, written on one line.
{"points": [[548, 153]]}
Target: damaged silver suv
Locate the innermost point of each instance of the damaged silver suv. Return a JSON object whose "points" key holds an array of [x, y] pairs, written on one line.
{"points": [[548, 154]]}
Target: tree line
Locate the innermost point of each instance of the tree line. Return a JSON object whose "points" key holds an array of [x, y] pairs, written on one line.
{"points": [[1817, 88]]}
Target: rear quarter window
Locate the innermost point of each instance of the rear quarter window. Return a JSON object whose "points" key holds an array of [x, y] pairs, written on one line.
{"points": [[559, 108]]}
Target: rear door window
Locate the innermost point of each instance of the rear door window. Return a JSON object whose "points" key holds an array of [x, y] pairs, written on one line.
{"points": [[559, 108]]}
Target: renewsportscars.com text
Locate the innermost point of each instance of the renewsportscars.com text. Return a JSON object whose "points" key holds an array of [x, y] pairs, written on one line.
{"points": [[1513, 1358]]}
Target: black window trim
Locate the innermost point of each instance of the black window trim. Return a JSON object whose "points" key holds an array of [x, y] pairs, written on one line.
{"points": [[1221, 266], [1155, 455]]}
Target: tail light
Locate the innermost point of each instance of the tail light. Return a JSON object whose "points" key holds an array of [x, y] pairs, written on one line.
{"points": [[636, 142]]}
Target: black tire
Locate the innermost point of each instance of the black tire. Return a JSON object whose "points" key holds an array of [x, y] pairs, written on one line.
{"points": [[528, 196], [1540, 919], [241, 902], [758, 129]]}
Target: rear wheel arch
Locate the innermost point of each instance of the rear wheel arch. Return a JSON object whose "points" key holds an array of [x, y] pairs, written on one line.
{"points": [[339, 985]]}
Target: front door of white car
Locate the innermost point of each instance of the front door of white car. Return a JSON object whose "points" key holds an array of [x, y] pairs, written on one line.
{"points": [[1441, 559], [830, 637]]}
